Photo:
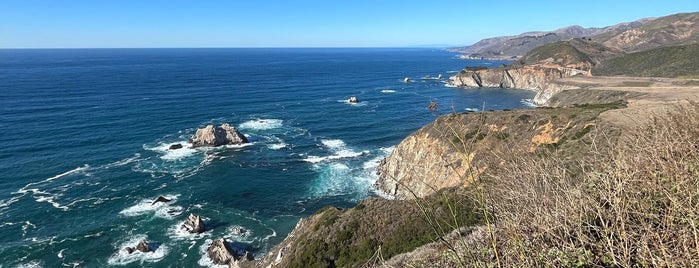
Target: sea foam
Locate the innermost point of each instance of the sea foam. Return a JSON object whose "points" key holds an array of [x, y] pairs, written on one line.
{"points": [[159, 209], [261, 124], [122, 257]]}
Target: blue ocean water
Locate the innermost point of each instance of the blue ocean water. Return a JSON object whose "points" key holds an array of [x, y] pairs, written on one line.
{"points": [[86, 133]]}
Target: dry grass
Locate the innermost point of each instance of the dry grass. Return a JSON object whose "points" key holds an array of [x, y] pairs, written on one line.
{"points": [[631, 202]]}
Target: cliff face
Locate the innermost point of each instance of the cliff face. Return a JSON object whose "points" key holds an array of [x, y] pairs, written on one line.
{"points": [[455, 148], [539, 78]]}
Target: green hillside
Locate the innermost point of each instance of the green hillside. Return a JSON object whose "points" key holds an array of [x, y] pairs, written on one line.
{"points": [[676, 61]]}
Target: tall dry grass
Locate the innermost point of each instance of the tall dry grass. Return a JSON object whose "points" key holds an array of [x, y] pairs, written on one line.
{"points": [[626, 202]]}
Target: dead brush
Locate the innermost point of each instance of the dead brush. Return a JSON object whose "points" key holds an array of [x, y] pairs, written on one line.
{"points": [[631, 201]]}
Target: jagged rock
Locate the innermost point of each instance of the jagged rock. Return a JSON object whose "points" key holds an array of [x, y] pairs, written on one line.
{"points": [[175, 146], [220, 253], [217, 136], [160, 199], [248, 256], [194, 224], [142, 246]]}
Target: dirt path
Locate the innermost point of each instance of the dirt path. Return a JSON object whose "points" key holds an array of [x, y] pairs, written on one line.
{"points": [[659, 95]]}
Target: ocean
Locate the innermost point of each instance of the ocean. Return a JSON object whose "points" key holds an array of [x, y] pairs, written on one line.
{"points": [[86, 133]]}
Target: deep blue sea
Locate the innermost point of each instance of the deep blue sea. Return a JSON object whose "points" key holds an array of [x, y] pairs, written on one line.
{"points": [[85, 137]]}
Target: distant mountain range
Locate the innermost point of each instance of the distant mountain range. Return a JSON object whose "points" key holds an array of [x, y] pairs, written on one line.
{"points": [[639, 35]]}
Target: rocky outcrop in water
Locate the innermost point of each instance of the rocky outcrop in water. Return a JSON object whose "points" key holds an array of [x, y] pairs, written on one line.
{"points": [[160, 199], [220, 253], [212, 135], [194, 224], [175, 146], [142, 246]]}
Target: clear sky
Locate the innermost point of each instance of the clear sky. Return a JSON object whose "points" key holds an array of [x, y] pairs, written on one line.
{"points": [[301, 23]]}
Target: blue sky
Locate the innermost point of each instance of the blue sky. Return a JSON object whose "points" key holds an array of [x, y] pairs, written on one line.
{"points": [[301, 23]]}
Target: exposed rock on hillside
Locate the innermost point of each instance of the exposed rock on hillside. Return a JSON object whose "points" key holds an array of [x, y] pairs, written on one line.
{"points": [[455, 148], [507, 47], [677, 29], [538, 78], [217, 136], [538, 69]]}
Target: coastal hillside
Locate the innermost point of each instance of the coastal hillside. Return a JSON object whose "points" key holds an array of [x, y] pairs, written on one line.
{"points": [[677, 29], [603, 174], [640, 35], [508, 47], [674, 61]]}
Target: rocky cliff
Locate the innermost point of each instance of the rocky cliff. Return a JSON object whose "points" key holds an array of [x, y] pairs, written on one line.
{"points": [[539, 78], [455, 149]]}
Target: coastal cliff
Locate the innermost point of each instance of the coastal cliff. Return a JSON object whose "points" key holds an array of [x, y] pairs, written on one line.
{"points": [[455, 149], [538, 78]]}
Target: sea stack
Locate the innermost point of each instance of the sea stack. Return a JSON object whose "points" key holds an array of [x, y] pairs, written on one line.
{"points": [[220, 253], [214, 136], [194, 224]]}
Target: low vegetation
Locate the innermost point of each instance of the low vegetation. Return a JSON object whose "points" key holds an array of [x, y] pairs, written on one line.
{"points": [[675, 61], [626, 202]]}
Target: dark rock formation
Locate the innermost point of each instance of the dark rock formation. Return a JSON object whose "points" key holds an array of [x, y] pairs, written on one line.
{"points": [[142, 246], [353, 99], [194, 224], [175, 146], [160, 199], [217, 136]]}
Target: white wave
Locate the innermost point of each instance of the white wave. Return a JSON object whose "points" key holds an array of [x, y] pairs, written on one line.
{"points": [[447, 84], [122, 257], [261, 124], [277, 146], [122, 162], [451, 72], [334, 143], [168, 154], [60, 253], [338, 147], [388, 91], [176, 232], [159, 209], [31, 264], [26, 226], [472, 109], [361, 103], [239, 233], [528, 103]]}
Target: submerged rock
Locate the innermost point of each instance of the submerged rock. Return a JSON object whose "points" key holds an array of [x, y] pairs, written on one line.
{"points": [[160, 199], [175, 146], [217, 136], [194, 224], [353, 99]]}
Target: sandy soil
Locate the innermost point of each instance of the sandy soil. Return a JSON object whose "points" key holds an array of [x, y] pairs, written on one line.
{"points": [[660, 95]]}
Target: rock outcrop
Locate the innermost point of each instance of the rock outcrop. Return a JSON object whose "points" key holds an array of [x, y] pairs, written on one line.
{"points": [[142, 246], [217, 136], [220, 253], [194, 224], [175, 146], [454, 149], [539, 78], [160, 199]]}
